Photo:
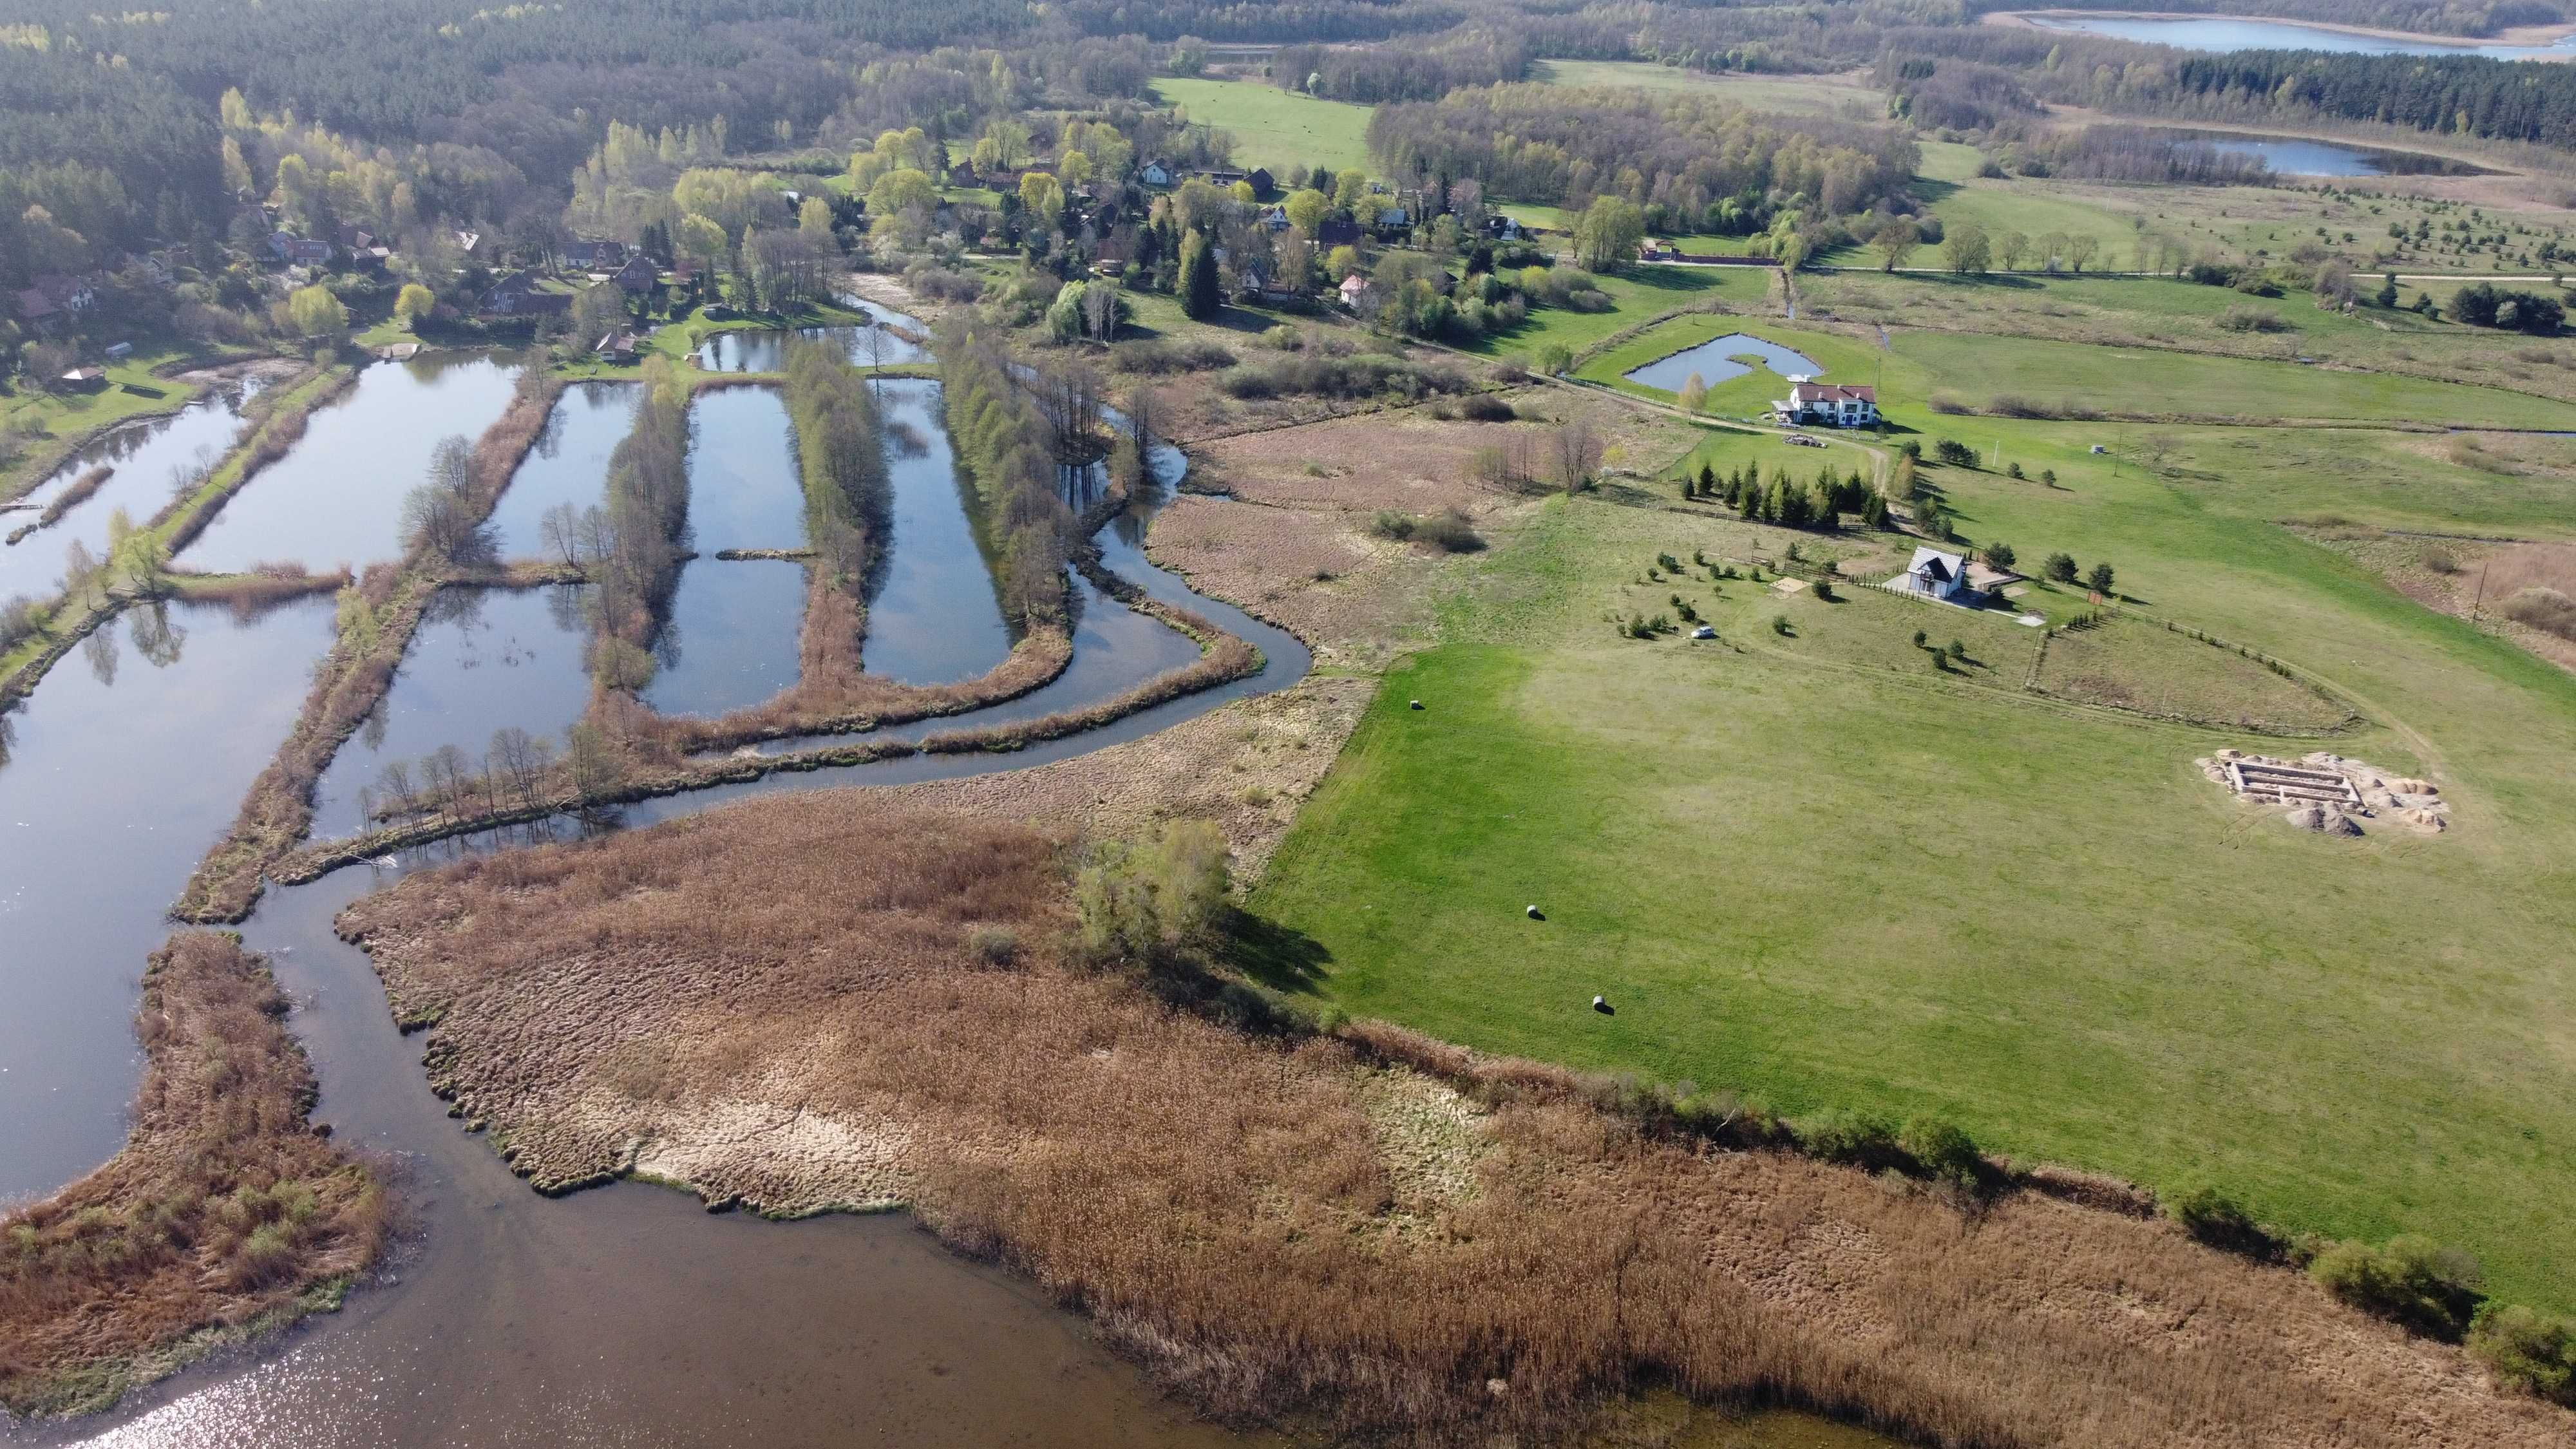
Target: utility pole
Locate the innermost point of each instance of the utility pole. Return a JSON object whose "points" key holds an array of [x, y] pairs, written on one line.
{"points": [[2478, 604]]}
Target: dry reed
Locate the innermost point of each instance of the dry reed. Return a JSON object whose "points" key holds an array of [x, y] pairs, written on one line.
{"points": [[78, 492], [1243, 1215], [223, 1214]]}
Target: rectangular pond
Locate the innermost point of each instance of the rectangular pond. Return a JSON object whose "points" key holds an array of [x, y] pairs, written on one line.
{"points": [[936, 615], [569, 463], [337, 497], [1714, 361], [764, 349], [482, 660], [153, 459]]}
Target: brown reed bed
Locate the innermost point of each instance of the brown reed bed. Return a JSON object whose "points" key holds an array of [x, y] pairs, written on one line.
{"points": [[263, 588], [82, 489], [348, 684], [225, 1214], [1366, 1234]]}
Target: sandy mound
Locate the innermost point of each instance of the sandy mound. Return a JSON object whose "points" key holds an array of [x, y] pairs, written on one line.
{"points": [[2325, 792]]}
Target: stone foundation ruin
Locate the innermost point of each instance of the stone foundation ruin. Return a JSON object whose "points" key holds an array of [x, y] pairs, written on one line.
{"points": [[2325, 792]]}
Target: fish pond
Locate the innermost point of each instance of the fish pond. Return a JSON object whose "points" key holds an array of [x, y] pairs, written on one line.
{"points": [[1721, 359]]}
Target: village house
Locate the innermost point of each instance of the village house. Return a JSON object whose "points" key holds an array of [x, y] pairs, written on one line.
{"points": [[615, 347], [1938, 575], [1842, 406], [1655, 249], [1276, 219], [638, 276], [1262, 182], [1393, 218], [517, 295], [1155, 173], [1355, 290], [297, 251], [1499, 227], [1256, 285], [53, 298], [1339, 231], [594, 256]]}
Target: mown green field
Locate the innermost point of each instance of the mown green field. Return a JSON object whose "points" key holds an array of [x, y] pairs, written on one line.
{"points": [[1637, 294], [1816, 868], [1275, 128]]}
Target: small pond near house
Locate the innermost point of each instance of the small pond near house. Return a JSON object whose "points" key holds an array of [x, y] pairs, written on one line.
{"points": [[1714, 361], [337, 497], [764, 349]]}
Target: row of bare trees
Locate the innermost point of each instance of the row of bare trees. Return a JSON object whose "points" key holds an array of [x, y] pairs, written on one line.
{"points": [[519, 771], [1010, 446]]}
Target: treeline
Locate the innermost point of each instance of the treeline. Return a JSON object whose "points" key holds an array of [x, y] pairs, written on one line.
{"points": [[1001, 440], [1262, 20], [2134, 153], [644, 542], [1681, 151], [1949, 77], [2458, 95], [840, 446], [1374, 75]]}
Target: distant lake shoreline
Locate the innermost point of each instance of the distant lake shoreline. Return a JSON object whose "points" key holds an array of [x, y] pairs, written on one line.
{"points": [[2218, 34]]}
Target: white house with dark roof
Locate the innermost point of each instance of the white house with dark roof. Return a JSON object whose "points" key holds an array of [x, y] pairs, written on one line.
{"points": [[1841, 405], [1937, 575]]}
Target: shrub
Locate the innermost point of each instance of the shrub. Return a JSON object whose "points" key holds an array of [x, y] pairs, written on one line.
{"points": [[1958, 649], [1954, 452], [1919, 637], [2012, 470], [1825, 590], [2060, 568], [2441, 560], [2411, 1280], [2544, 609], [1486, 408], [1999, 555], [1780, 625], [2099, 580], [1283, 337], [1159, 357], [1944, 403], [2221, 1221], [1392, 525], [2252, 319], [17, 621], [1942, 1150], [994, 945], [1450, 532], [1858, 1139], [2534, 1352]]}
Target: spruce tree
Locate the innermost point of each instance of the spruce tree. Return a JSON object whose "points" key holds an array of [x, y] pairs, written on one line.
{"points": [[1200, 298]]}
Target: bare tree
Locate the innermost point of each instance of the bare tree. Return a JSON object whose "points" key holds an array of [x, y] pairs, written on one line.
{"points": [[593, 765], [1577, 453], [513, 758], [394, 785]]}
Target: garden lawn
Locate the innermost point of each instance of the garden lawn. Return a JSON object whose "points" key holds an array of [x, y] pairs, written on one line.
{"points": [[62, 419], [1276, 128], [1841, 877]]}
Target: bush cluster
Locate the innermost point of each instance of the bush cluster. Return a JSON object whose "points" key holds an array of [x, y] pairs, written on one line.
{"points": [[2411, 1280], [1366, 375], [1161, 358]]}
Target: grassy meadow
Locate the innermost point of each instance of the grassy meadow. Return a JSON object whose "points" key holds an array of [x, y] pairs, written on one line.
{"points": [[50, 423], [1817, 867], [1637, 294], [1273, 127]]}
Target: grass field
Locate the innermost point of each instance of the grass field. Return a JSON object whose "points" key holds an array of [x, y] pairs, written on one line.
{"points": [[1841, 358], [1275, 128], [1814, 867], [1791, 95], [1638, 293]]}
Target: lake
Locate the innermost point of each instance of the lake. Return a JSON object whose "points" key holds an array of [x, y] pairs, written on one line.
{"points": [[2239, 32], [2301, 156], [1714, 361]]}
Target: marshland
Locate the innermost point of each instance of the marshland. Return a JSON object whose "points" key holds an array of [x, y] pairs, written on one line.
{"points": [[1113, 725]]}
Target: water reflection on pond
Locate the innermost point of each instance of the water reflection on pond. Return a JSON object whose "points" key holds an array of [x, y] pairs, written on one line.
{"points": [[152, 460], [764, 349], [1714, 361], [936, 616], [482, 660], [123, 767], [569, 463], [337, 497]]}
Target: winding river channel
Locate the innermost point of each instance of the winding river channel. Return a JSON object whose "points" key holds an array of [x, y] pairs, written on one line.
{"points": [[625, 1314]]}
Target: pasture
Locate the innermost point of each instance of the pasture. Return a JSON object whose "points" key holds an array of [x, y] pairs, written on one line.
{"points": [[1273, 127], [1816, 867]]}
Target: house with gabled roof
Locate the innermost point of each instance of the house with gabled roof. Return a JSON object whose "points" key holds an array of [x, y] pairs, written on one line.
{"points": [[1840, 404], [1938, 575]]}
